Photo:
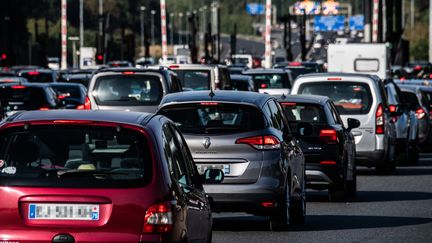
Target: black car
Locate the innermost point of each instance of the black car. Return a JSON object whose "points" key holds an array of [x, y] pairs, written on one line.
{"points": [[247, 136], [82, 76], [39, 75], [71, 95], [328, 145], [242, 82], [27, 96]]}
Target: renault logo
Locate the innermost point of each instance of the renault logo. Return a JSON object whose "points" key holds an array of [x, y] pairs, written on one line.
{"points": [[206, 142]]}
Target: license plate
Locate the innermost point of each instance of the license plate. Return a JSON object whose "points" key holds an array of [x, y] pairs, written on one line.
{"points": [[203, 167], [64, 211]]}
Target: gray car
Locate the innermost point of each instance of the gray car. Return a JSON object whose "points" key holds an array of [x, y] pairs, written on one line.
{"points": [[131, 89], [247, 135], [270, 80]]}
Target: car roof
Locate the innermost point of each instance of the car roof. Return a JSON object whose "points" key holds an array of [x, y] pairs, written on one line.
{"points": [[264, 71], [315, 75], [40, 70], [38, 85], [244, 97], [66, 84], [313, 99], [136, 118], [240, 77], [130, 69]]}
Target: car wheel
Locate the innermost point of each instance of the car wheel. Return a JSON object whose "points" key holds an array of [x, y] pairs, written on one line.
{"points": [[279, 221], [413, 153], [297, 210], [351, 187], [337, 192], [389, 165]]}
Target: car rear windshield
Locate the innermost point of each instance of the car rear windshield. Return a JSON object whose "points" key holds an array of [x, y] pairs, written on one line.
{"points": [[350, 98], [214, 117], [271, 81], [38, 77], [194, 79], [20, 97], [302, 112], [74, 156], [297, 71], [69, 91], [128, 90]]}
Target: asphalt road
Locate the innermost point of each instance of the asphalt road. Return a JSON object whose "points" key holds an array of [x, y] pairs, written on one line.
{"points": [[390, 208]]}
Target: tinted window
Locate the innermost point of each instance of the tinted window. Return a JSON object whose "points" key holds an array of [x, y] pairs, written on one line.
{"points": [[392, 96], [295, 72], [311, 113], [224, 79], [126, 90], [271, 81], [411, 100], [214, 118], [75, 157], [349, 97], [68, 91], [23, 98], [194, 79], [276, 115], [37, 77]]}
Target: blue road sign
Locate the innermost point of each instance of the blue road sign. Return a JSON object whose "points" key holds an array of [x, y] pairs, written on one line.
{"points": [[255, 8], [356, 22], [329, 23]]}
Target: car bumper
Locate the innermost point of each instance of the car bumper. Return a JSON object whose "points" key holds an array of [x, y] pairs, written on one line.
{"points": [[370, 158], [322, 176]]}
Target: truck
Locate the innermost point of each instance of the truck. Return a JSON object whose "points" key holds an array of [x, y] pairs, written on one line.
{"points": [[359, 58], [87, 57]]}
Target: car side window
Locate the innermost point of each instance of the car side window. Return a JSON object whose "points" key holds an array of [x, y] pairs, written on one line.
{"points": [[335, 113], [174, 156], [175, 83], [225, 79], [276, 115]]}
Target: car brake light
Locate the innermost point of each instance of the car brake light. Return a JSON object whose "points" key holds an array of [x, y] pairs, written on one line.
{"points": [[418, 68], [209, 103], [261, 142], [263, 86], [379, 120], [18, 87], [328, 135], [174, 66], [44, 108], [86, 106], [392, 108], [288, 104], [158, 218], [420, 113], [334, 79], [128, 73], [33, 73], [72, 122], [327, 162], [295, 64], [269, 204]]}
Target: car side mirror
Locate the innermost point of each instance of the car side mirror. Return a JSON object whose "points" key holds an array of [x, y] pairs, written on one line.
{"points": [[353, 123], [213, 176], [304, 129]]}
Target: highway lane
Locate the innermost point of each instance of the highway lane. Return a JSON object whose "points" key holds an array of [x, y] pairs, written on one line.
{"points": [[388, 208]]}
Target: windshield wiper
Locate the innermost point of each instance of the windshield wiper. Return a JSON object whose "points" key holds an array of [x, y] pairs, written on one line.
{"points": [[65, 173]]}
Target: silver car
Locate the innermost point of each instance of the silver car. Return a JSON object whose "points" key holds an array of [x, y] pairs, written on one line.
{"points": [[247, 135], [131, 89], [362, 97]]}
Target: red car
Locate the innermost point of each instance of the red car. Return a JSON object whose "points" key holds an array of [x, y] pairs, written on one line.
{"points": [[99, 176]]}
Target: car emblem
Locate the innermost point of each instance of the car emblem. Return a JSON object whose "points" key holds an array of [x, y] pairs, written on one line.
{"points": [[206, 142]]}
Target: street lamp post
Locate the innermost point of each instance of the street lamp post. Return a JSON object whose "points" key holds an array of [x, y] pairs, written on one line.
{"points": [[142, 43], [74, 39], [188, 14], [180, 41], [172, 29], [153, 12]]}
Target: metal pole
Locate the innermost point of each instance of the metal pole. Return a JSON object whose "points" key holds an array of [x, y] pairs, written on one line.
{"points": [[412, 15], [142, 44], [180, 41], [367, 14], [268, 47], [74, 56], [430, 30], [63, 34], [163, 30], [81, 23], [375, 21], [153, 12], [172, 30], [187, 27]]}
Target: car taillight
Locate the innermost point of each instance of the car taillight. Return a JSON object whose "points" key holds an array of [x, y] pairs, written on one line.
{"points": [[392, 108], [44, 108], [18, 87], [327, 162], [33, 73], [328, 135], [86, 106], [128, 73], [261, 142], [420, 113], [158, 218], [379, 120], [263, 86]]}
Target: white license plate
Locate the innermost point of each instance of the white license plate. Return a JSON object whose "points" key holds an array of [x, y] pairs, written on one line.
{"points": [[203, 167], [64, 211]]}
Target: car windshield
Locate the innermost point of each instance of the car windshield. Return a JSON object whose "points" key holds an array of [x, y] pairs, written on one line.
{"points": [[301, 112], [194, 79], [128, 90], [20, 97], [214, 117], [350, 98], [73, 157], [38, 77], [271, 81]]}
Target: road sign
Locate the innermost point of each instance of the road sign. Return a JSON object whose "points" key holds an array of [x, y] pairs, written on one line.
{"points": [[356, 22], [307, 7], [255, 8], [329, 23]]}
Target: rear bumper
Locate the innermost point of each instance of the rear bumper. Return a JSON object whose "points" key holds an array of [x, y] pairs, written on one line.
{"points": [[246, 197], [323, 176], [370, 158]]}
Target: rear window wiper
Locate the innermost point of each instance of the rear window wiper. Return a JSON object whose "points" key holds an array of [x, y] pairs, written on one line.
{"points": [[66, 173]]}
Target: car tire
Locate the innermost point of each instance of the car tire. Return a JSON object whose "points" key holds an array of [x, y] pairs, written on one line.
{"points": [[279, 220], [389, 165], [297, 208], [413, 155], [351, 186]]}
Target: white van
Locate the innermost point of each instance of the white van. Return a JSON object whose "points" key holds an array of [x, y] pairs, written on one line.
{"points": [[362, 97]]}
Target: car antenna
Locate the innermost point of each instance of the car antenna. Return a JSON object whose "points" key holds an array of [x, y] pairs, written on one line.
{"points": [[211, 94], [283, 96]]}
